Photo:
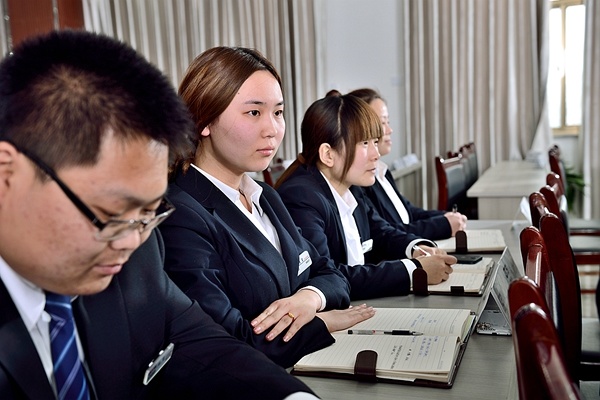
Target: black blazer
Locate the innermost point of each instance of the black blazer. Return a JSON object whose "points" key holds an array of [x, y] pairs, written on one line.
{"points": [[430, 224], [124, 327], [219, 258], [309, 200]]}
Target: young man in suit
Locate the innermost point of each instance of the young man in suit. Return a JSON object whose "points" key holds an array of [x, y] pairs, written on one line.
{"points": [[87, 132]]}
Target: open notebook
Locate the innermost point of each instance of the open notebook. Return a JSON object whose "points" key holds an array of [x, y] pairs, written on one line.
{"points": [[466, 279], [429, 356]]}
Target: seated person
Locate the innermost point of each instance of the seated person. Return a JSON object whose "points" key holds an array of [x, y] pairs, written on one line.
{"points": [[84, 155], [320, 190], [385, 196], [231, 245]]}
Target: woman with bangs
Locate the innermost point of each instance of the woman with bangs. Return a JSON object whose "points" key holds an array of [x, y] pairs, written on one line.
{"points": [[231, 244], [321, 191], [387, 199]]}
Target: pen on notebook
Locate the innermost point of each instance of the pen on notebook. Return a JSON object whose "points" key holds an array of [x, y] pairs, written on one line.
{"points": [[417, 248], [396, 332], [454, 208]]}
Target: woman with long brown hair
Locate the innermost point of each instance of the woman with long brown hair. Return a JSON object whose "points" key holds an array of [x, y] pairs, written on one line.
{"points": [[231, 244]]}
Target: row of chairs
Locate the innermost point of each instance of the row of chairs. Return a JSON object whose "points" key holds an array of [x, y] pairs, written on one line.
{"points": [[456, 173], [555, 347]]}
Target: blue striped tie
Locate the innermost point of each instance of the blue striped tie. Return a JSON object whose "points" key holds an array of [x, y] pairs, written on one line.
{"points": [[68, 370]]}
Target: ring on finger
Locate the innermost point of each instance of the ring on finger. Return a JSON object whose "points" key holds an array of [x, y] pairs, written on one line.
{"points": [[291, 316]]}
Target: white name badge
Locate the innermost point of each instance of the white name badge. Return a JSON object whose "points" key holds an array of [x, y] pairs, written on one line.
{"points": [[367, 245], [157, 364], [305, 262]]}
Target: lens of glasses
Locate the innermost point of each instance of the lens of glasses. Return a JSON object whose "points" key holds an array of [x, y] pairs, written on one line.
{"points": [[114, 230]]}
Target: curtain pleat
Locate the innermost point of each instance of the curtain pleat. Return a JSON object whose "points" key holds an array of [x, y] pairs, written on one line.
{"points": [[476, 75], [171, 33], [589, 139]]}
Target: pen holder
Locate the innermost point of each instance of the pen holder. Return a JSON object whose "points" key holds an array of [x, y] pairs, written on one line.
{"points": [[365, 366], [419, 282], [461, 242]]}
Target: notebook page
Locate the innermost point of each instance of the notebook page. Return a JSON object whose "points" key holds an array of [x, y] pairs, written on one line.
{"points": [[470, 282], [430, 321]]}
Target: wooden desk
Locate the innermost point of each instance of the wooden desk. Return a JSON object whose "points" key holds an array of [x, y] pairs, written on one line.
{"points": [[500, 188], [487, 370]]}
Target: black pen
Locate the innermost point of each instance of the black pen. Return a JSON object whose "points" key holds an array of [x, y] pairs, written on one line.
{"points": [[454, 208], [402, 332]]}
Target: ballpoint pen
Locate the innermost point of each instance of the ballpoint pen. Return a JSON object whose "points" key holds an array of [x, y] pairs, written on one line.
{"points": [[454, 208], [396, 332], [417, 248]]}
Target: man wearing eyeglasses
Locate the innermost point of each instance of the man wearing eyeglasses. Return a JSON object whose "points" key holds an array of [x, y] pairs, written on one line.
{"points": [[87, 131]]}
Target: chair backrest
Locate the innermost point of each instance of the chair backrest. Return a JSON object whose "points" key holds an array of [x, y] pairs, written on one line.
{"points": [[542, 372], [568, 290], [451, 182], [556, 201], [537, 207], [469, 154], [556, 164], [537, 265]]}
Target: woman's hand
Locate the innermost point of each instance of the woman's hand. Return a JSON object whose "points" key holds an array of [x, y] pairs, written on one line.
{"points": [[290, 312], [438, 267], [337, 320]]}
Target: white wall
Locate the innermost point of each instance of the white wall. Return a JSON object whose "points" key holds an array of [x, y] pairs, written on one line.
{"points": [[360, 48]]}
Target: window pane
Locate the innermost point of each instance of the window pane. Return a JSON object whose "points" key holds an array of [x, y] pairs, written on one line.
{"points": [[575, 26], [556, 70]]}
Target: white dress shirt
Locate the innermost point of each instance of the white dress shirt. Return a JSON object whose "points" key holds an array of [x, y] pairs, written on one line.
{"points": [[346, 205], [391, 193]]}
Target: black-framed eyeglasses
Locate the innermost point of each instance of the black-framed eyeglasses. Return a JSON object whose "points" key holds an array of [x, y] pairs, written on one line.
{"points": [[112, 229]]}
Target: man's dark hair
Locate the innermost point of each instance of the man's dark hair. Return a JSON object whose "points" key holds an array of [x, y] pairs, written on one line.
{"points": [[62, 92]]}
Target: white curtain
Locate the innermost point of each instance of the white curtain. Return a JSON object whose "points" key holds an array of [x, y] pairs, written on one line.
{"points": [[171, 33], [589, 139], [476, 72]]}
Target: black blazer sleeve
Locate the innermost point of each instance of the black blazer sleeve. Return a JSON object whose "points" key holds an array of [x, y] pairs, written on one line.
{"points": [[232, 284], [124, 327]]}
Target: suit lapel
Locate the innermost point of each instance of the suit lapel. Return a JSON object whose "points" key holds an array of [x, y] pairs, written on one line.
{"points": [[18, 355], [102, 323], [244, 231]]}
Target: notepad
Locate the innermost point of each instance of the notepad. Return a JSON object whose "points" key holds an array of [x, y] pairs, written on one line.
{"points": [[428, 359], [465, 279], [478, 240]]}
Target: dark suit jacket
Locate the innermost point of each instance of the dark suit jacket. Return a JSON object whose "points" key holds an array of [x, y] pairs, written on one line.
{"points": [[219, 258], [124, 327], [430, 224], [312, 206]]}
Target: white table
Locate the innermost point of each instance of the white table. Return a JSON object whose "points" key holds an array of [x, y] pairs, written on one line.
{"points": [[500, 188]]}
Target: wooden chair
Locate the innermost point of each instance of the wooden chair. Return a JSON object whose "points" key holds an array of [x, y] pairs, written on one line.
{"points": [[586, 248], [451, 185], [576, 226], [583, 364], [542, 372], [469, 154], [556, 164], [537, 265]]}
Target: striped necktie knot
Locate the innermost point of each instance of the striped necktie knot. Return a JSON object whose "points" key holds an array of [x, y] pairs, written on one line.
{"points": [[68, 370]]}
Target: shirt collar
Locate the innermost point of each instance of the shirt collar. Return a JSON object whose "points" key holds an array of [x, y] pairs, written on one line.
{"points": [[250, 188], [346, 203], [28, 298], [381, 169]]}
